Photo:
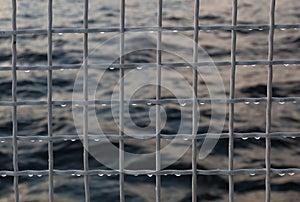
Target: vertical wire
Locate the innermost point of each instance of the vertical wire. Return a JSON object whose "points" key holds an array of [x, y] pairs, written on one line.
{"points": [[269, 101], [86, 106], [195, 103], [14, 99], [157, 107], [49, 101], [121, 103], [231, 105]]}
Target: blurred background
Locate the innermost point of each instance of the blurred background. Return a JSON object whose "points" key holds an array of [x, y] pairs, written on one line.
{"points": [[68, 49]]}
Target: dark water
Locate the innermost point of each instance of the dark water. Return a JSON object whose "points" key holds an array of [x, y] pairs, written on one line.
{"points": [[67, 49]]}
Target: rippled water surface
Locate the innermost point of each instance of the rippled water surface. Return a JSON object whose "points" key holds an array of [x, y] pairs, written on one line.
{"points": [[140, 48]]}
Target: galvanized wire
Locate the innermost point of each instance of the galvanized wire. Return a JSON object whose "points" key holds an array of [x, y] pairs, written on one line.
{"points": [[14, 100], [232, 96], [49, 101], [121, 137]]}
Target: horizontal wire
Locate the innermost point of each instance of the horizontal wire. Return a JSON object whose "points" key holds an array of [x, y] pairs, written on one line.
{"points": [[31, 173], [101, 137], [148, 28], [77, 103], [112, 66]]}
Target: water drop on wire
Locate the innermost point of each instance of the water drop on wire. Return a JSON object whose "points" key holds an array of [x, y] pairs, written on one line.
{"points": [[182, 104]]}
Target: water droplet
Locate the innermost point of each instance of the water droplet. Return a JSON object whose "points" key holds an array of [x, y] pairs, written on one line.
{"points": [[39, 175], [250, 29], [100, 174], [245, 138], [257, 138], [60, 34], [282, 29], [202, 103], [188, 67], [252, 174], [182, 104], [103, 104], [102, 32], [293, 137], [27, 71], [40, 140], [3, 175], [133, 104], [256, 103], [281, 174], [291, 174], [247, 103], [245, 65], [97, 140], [2, 141], [282, 102], [65, 139], [253, 65], [165, 174], [30, 175], [175, 30], [186, 139], [286, 65], [63, 105], [73, 140], [108, 175], [32, 141], [76, 105], [148, 103], [139, 68], [112, 68], [73, 174], [177, 175], [260, 29], [62, 69], [78, 175], [149, 175]]}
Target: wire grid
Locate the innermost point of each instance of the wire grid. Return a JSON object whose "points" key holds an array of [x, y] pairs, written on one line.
{"points": [[231, 135]]}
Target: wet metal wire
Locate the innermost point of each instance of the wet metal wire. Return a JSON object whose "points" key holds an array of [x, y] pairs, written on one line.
{"points": [[194, 172]]}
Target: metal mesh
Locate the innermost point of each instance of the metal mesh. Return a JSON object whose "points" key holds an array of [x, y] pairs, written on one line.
{"points": [[194, 172]]}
